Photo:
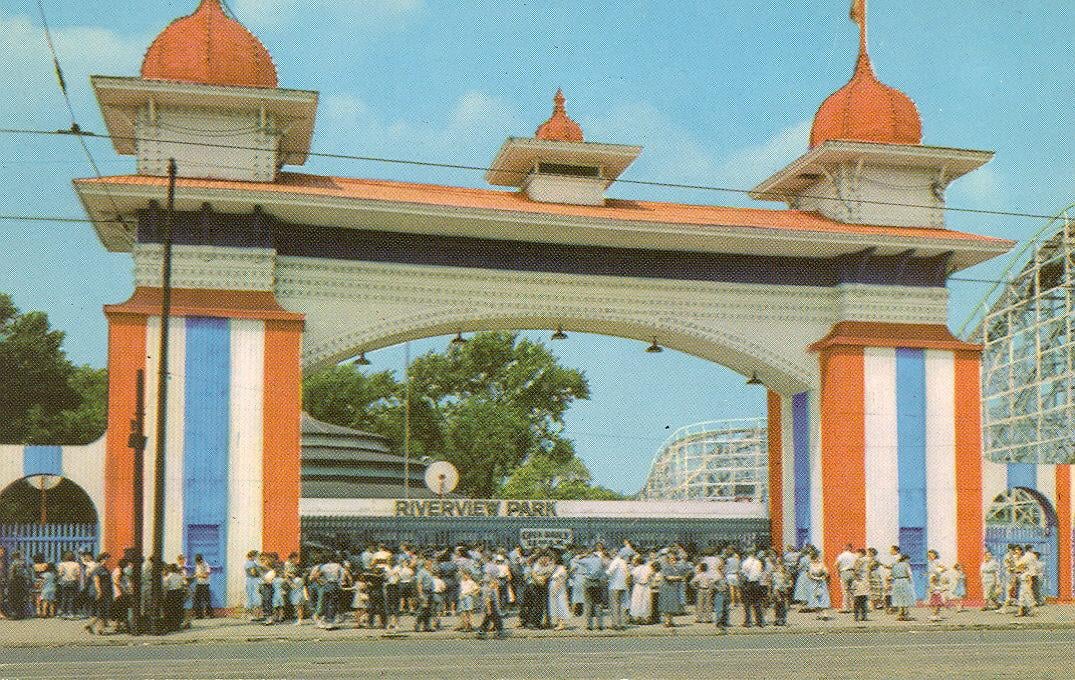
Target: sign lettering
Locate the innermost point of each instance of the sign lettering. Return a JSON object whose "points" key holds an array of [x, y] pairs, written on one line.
{"points": [[438, 507]]}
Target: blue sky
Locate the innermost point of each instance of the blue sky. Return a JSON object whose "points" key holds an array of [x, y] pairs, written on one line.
{"points": [[718, 92]]}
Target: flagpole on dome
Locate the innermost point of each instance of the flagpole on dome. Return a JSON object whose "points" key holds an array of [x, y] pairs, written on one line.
{"points": [[858, 15]]}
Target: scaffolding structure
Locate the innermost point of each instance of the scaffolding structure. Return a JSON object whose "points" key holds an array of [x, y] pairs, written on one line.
{"points": [[722, 460], [1025, 327]]}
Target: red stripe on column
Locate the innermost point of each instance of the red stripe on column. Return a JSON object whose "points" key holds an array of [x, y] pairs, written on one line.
{"points": [[970, 525], [776, 472], [282, 436], [843, 448], [1063, 528], [126, 354]]}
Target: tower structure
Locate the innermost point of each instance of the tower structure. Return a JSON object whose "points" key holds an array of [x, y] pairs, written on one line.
{"points": [[898, 461], [208, 96]]}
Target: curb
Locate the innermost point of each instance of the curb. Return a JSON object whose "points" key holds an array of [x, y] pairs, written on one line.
{"points": [[347, 635]]}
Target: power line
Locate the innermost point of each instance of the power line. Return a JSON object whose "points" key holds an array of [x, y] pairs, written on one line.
{"points": [[75, 127], [478, 168]]}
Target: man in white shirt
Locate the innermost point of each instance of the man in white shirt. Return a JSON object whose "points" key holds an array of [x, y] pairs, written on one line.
{"points": [[617, 589], [845, 567], [750, 574], [69, 575]]}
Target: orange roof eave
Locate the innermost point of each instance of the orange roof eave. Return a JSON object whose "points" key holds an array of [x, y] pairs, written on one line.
{"points": [[298, 184]]}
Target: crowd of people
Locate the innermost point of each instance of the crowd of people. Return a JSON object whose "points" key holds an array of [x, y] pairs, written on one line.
{"points": [[547, 588], [551, 588]]}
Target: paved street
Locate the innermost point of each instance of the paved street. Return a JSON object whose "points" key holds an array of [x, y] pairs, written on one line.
{"points": [[935, 654]]}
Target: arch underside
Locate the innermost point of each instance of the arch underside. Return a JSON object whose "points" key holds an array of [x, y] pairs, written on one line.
{"points": [[357, 306]]}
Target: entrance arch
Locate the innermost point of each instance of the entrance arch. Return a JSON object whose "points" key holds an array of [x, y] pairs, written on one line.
{"points": [[48, 522], [1025, 517]]}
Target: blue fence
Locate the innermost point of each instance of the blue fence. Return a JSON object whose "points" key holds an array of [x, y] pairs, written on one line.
{"points": [[1044, 540], [50, 540]]}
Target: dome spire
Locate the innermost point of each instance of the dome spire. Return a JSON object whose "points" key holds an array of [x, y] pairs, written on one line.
{"points": [[559, 127], [858, 15]]}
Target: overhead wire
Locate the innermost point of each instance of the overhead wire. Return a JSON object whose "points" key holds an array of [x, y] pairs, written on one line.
{"points": [[76, 129], [480, 168]]}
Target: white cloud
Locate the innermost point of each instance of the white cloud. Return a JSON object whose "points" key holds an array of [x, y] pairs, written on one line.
{"points": [[672, 153], [28, 90], [982, 188], [276, 13], [475, 127], [752, 164]]}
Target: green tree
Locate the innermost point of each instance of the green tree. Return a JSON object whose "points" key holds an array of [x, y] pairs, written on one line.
{"points": [[87, 422], [346, 396], [35, 377], [487, 406], [545, 477]]}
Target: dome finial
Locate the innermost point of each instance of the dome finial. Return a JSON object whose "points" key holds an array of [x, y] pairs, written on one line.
{"points": [[558, 101], [559, 127], [858, 15]]}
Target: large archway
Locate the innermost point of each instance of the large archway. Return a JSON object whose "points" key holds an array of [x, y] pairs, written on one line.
{"points": [[44, 515], [1025, 517]]}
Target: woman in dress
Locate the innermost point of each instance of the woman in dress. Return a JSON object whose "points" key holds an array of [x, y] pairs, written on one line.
{"points": [[957, 586], [804, 587], [47, 608], [818, 575], [559, 611], [252, 570], [668, 601], [641, 602], [469, 590], [903, 596]]}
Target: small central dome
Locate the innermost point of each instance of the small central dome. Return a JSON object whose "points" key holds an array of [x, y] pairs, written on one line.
{"points": [[867, 110], [560, 127], [211, 48]]}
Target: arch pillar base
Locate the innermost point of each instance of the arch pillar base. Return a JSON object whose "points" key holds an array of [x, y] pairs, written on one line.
{"points": [[233, 443], [900, 443]]}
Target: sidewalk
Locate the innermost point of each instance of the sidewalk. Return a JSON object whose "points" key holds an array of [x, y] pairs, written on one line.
{"points": [[58, 633]]}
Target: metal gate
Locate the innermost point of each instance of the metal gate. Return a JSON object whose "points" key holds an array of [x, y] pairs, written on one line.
{"points": [[1022, 516], [50, 540]]}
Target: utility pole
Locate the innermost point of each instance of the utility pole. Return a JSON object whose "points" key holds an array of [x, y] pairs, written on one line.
{"points": [[137, 442], [407, 420], [162, 406]]}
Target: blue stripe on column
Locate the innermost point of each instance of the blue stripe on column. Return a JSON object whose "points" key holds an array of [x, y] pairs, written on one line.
{"points": [[205, 447], [911, 456], [1022, 474], [42, 460], [800, 435]]}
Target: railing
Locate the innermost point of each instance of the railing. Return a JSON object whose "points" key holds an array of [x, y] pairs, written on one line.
{"points": [[50, 540]]}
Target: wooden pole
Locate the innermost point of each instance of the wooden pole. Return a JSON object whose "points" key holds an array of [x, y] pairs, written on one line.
{"points": [[162, 407]]}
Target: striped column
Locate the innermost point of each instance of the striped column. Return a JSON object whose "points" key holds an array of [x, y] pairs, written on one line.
{"points": [[775, 440], [1063, 528], [900, 442], [234, 404], [801, 475]]}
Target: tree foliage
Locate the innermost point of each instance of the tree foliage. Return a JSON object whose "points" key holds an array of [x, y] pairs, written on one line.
{"points": [[488, 406], [44, 399], [546, 477]]}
